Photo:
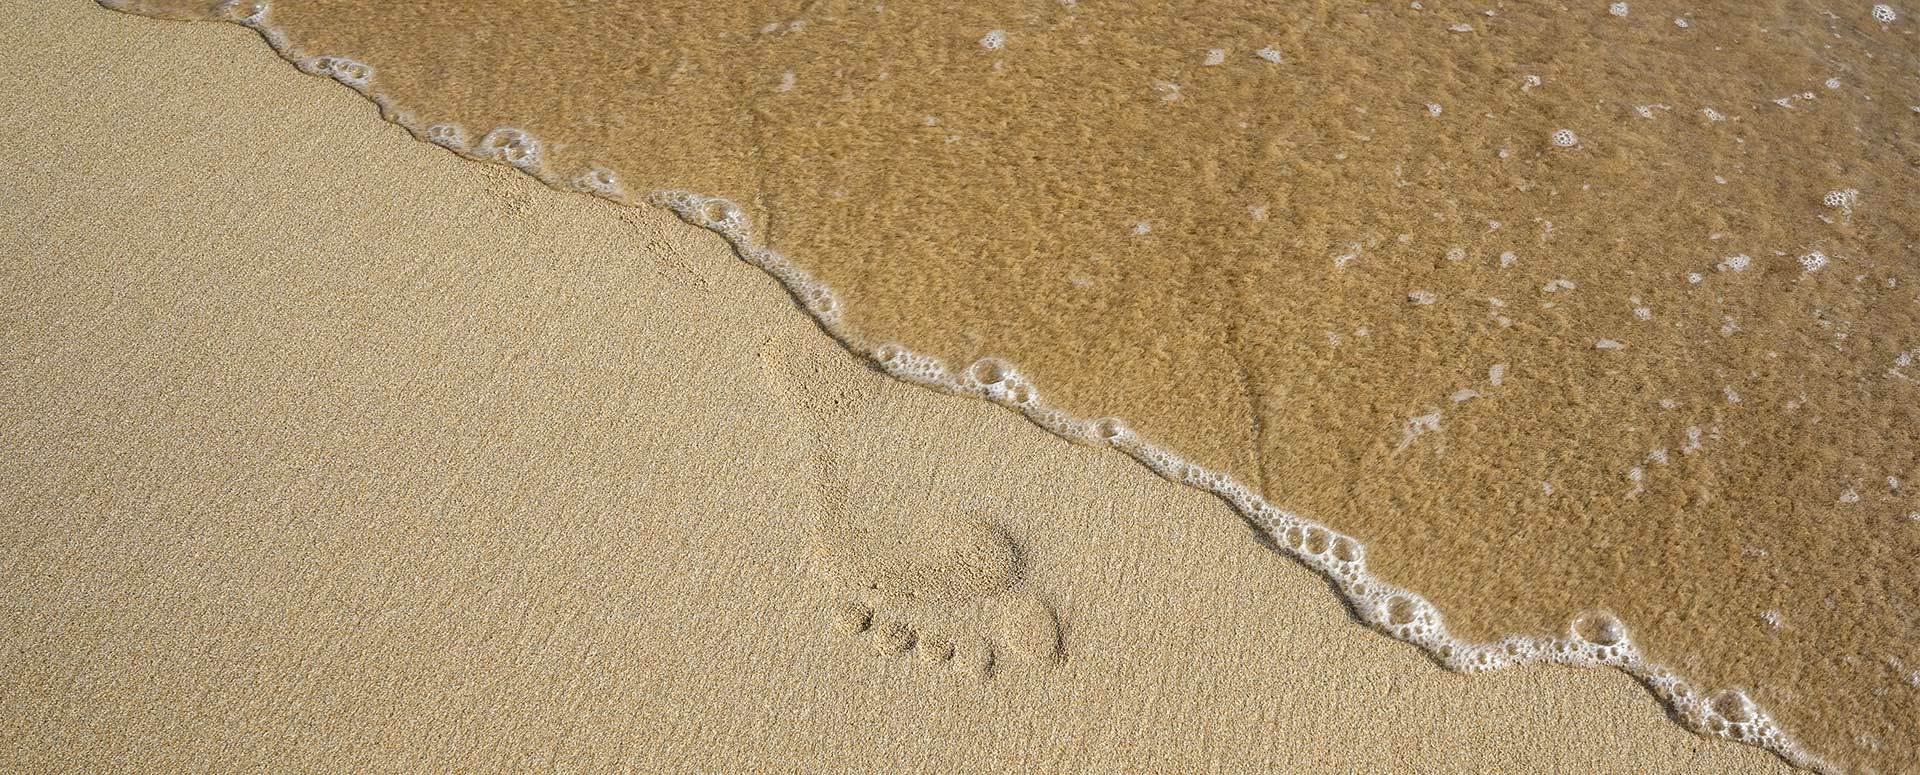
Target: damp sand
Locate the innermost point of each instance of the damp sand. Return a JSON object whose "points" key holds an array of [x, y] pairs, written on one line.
{"points": [[1589, 326]]}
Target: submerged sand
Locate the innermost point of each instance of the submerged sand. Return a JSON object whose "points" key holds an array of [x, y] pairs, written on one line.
{"points": [[325, 450], [1552, 308]]}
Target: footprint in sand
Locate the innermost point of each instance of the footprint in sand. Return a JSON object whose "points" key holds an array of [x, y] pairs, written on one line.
{"points": [[946, 586], [947, 590]]}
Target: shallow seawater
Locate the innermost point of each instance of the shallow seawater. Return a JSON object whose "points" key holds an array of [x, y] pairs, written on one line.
{"points": [[1596, 325]]}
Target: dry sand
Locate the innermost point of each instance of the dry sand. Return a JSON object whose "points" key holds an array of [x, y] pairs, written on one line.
{"points": [[324, 449]]}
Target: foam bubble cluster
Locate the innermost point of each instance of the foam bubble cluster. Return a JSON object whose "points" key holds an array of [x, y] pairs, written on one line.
{"points": [[1842, 200], [599, 181], [341, 69], [910, 366], [509, 146], [447, 136], [244, 11]]}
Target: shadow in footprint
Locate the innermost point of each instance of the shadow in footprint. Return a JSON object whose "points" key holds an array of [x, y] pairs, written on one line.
{"points": [[947, 590]]}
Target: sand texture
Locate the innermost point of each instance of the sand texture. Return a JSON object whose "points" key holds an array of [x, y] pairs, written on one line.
{"points": [[1554, 310], [322, 449]]}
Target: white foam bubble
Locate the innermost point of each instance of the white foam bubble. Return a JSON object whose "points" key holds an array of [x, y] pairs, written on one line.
{"points": [[1843, 200], [447, 135], [342, 69], [1884, 14], [1565, 138], [599, 181], [248, 12], [994, 40], [509, 146]]}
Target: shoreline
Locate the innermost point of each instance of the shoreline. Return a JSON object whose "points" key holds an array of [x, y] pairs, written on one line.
{"points": [[1394, 611], [1089, 645]]}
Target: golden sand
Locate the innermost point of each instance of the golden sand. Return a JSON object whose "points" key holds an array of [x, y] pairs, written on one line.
{"points": [[322, 450], [1660, 364]]}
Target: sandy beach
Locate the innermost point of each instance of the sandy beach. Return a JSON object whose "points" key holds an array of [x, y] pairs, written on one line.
{"points": [[324, 449]]}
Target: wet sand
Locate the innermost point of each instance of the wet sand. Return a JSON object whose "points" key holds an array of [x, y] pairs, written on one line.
{"points": [[326, 450]]}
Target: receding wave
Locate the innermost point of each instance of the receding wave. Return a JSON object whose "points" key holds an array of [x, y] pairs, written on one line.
{"points": [[1577, 334]]}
